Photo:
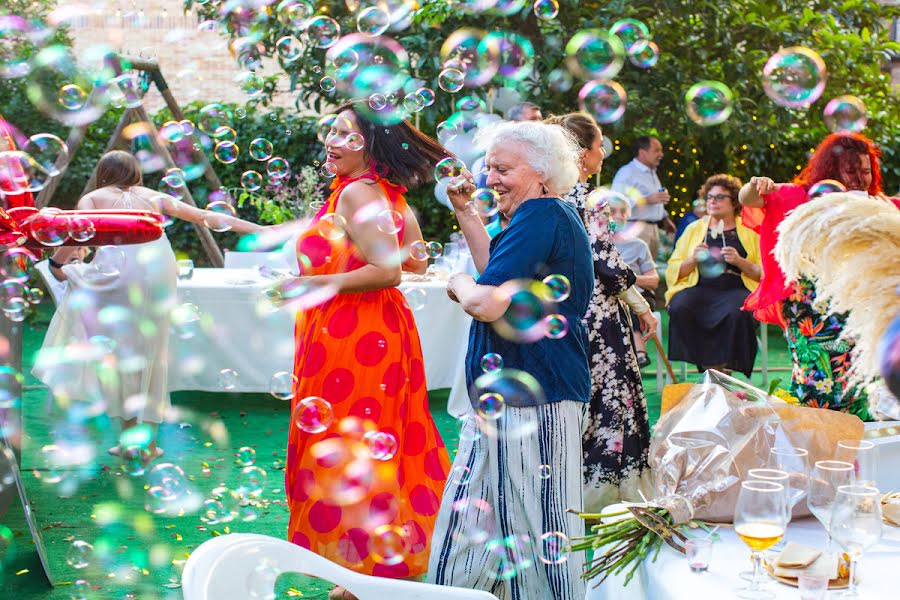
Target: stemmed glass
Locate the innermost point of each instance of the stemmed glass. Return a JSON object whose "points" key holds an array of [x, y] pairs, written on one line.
{"points": [[826, 477], [794, 462], [774, 476], [856, 525], [760, 519], [863, 455]]}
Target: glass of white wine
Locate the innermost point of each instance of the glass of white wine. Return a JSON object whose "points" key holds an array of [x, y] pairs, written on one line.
{"points": [[856, 525], [760, 519], [826, 477]]}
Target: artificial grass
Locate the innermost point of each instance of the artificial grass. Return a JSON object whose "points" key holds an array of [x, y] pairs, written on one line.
{"points": [[107, 506]]}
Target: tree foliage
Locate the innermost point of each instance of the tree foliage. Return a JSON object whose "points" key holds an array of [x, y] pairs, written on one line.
{"points": [[723, 40]]}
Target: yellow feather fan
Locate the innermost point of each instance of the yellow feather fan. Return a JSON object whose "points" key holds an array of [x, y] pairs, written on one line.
{"points": [[849, 245]]}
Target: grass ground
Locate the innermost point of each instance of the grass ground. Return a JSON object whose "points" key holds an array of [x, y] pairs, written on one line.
{"points": [[105, 506]]}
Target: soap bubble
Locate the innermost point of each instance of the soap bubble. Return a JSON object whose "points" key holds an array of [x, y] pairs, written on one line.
{"points": [[373, 21], [288, 48], [645, 58], [251, 482], [603, 99], [322, 31], [228, 379], [485, 201], [327, 83], [212, 117], [382, 445], [846, 114], [511, 52], [282, 385], [313, 414], [555, 548], [416, 298], [709, 103], [251, 181], [595, 54], [451, 80], [278, 168], [48, 150], [219, 216], [389, 221], [490, 406], [546, 9], [634, 34], [826, 186], [557, 326], [491, 362], [80, 554], [389, 545], [449, 170], [226, 152], [794, 77], [260, 149], [523, 320], [434, 249], [418, 251], [558, 287]]}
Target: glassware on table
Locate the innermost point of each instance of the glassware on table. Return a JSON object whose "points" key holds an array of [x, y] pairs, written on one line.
{"points": [[775, 476], [812, 587], [794, 462], [856, 525], [185, 268], [863, 455], [824, 480], [760, 518], [698, 551]]}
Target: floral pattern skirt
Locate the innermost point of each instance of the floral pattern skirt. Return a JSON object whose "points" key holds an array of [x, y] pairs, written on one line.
{"points": [[821, 358]]}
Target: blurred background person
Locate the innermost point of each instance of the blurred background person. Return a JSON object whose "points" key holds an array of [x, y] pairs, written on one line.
{"points": [[698, 211], [639, 182], [524, 111], [713, 269]]}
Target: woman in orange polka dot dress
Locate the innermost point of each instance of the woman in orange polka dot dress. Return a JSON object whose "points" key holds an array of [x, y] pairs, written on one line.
{"points": [[365, 490]]}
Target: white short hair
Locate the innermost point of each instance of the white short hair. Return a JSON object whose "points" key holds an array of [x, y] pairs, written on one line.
{"points": [[549, 149]]}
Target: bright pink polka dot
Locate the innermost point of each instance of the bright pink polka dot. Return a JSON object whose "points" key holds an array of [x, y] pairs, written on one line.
{"points": [[433, 467], [343, 322], [338, 385], [404, 408], [316, 248], [383, 508], [366, 408], [324, 517], [394, 379], [414, 439], [406, 345], [391, 317], [300, 539], [418, 542], [353, 546], [437, 435], [398, 571], [303, 485], [371, 349], [314, 359], [424, 501], [416, 375], [408, 318], [401, 475]]}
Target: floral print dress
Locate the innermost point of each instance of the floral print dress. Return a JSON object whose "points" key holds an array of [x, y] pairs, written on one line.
{"points": [[616, 439], [821, 358]]}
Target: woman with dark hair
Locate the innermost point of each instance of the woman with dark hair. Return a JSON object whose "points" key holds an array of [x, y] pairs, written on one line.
{"points": [[714, 267], [135, 281], [821, 357], [616, 439], [359, 363]]}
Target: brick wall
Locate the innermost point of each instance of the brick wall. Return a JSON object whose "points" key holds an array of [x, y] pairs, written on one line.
{"points": [[196, 64]]}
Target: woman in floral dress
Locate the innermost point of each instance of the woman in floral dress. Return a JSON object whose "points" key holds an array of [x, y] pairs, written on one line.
{"points": [[616, 439]]}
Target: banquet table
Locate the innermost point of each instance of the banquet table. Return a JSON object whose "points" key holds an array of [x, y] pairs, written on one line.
{"points": [[670, 578], [239, 330]]}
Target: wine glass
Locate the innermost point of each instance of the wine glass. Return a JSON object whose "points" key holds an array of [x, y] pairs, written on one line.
{"points": [[856, 525], [760, 519], [863, 455], [774, 476], [826, 477], [794, 462]]}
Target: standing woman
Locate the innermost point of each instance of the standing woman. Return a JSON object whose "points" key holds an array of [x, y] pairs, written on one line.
{"points": [[353, 483], [616, 440], [821, 358]]}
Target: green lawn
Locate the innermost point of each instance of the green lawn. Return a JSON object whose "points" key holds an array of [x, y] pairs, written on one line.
{"points": [[105, 506]]}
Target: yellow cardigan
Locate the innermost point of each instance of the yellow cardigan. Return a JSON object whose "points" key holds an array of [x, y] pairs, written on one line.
{"points": [[692, 237]]}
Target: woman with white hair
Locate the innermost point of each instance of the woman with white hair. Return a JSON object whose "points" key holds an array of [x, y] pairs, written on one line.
{"points": [[518, 468]]}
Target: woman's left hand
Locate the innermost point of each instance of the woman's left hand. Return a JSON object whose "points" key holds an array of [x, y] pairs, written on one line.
{"points": [[731, 256], [455, 282], [649, 322]]}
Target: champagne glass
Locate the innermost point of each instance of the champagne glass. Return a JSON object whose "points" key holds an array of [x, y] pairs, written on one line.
{"points": [[774, 476], [760, 519], [863, 455], [826, 477], [794, 462], [856, 525]]}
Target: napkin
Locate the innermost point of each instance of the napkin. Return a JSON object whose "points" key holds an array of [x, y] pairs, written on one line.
{"points": [[891, 513], [822, 565]]}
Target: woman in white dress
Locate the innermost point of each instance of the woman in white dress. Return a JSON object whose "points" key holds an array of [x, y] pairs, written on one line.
{"points": [[107, 343]]}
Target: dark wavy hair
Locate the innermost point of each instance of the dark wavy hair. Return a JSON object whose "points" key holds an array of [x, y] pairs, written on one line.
{"points": [[730, 183], [839, 153], [398, 152]]}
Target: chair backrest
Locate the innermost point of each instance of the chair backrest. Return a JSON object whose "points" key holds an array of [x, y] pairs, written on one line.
{"points": [[56, 288], [251, 260], [224, 567]]}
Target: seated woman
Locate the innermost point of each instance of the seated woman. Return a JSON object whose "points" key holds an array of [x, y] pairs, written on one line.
{"points": [[636, 254], [713, 269], [530, 165]]}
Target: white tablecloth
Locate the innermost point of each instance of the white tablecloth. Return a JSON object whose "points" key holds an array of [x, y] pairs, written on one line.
{"points": [[670, 578], [239, 334]]}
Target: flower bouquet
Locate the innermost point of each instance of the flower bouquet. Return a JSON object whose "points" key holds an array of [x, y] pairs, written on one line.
{"points": [[699, 453]]}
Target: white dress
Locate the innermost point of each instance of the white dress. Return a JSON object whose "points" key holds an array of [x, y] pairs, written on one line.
{"points": [[106, 350]]}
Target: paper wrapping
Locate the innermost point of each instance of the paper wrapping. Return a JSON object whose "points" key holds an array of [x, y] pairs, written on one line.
{"points": [[703, 447]]}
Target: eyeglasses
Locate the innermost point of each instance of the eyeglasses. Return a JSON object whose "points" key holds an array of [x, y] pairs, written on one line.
{"points": [[718, 197]]}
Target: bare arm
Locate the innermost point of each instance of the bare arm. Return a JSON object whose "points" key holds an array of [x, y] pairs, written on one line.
{"points": [[412, 233], [648, 280], [752, 193], [483, 302], [470, 222], [192, 214]]}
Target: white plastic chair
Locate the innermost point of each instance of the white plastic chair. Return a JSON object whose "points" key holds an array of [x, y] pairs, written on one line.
{"points": [[222, 569], [251, 260], [56, 288]]}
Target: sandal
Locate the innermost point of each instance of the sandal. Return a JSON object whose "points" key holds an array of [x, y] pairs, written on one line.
{"points": [[642, 359]]}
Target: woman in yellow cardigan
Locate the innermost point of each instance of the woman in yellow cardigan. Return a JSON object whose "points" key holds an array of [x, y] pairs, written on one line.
{"points": [[713, 269]]}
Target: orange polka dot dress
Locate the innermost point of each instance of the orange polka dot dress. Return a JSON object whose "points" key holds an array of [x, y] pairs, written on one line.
{"points": [[355, 497]]}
